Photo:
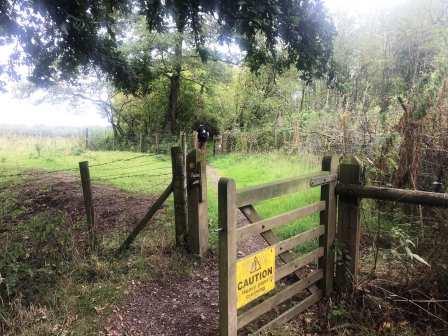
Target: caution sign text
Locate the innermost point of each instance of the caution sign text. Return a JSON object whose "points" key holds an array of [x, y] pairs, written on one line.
{"points": [[255, 276]]}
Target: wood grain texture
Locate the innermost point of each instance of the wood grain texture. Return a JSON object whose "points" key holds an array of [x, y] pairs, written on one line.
{"points": [[328, 220], [292, 312], [349, 229], [88, 202], [276, 221], [298, 263], [180, 195], [277, 299], [275, 189], [227, 258], [271, 238]]}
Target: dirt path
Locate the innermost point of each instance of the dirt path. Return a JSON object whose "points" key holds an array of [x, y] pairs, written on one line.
{"points": [[114, 208], [171, 306], [174, 306]]}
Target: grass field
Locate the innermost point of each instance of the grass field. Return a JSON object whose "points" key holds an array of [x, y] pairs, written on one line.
{"points": [[149, 174], [126, 170]]}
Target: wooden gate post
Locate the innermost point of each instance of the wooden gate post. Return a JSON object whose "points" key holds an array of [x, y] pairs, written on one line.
{"points": [[194, 140], [349, 228], [328, 220], [180, 195], [227, 258], [88, 203], [224, 143], [197, 202]]}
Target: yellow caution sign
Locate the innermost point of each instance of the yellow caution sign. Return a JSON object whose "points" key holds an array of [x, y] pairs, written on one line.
{"points": [[255, 276]]}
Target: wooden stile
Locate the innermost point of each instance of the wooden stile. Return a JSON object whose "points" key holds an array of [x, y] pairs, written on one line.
{"points": [[197, 203]]}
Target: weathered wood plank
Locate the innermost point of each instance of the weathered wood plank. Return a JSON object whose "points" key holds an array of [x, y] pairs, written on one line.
{"points": [[271, 223], [285, 294], [145, 220], [180, 195], [349, 228], [298, 263], [392, 194], [269, 236], [292, 312], [197, 203], [328, 220], [227, 258], [270, 190], [290, 243], [88, 202]]}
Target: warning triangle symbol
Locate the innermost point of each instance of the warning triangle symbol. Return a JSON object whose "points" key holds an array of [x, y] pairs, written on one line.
{"points": [[256, 266]]}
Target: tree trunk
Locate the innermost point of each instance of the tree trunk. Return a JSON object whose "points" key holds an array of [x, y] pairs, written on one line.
{"points": [[302, 100], [175, 85]]}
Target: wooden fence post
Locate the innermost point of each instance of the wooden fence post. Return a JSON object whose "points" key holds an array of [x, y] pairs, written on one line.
{"points": [[194, 140], [87, 139], [328, 220], [349, 228], [183, 142], [214, 145], [157, 138], [197, 202], [224, 142], [88, 203], [180, 195], [227, 258]]}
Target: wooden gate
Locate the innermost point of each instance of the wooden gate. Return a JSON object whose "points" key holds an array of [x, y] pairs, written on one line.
{"points": [[318, 284]]}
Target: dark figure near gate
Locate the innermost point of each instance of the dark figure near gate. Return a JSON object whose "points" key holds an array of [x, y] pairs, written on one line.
{"points": [[203, 136]]}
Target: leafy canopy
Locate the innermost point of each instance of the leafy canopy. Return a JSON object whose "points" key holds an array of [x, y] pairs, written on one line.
{"points": [[60, 38]]}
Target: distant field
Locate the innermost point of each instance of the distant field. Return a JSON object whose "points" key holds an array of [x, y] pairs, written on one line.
{"points": [[150, 174], [126, 170], [254, 169]]}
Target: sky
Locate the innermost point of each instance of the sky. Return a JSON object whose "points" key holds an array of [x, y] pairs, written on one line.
{"points": [[363, 7], [23, 112]]}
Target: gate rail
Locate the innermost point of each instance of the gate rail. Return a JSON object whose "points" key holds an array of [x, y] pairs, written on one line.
{"points": [[319, 283]]}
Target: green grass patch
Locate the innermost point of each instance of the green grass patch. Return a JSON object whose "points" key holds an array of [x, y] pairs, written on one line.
{"points": [[128, 171]]}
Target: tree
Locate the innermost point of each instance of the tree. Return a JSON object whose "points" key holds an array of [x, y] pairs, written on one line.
{"points": [[61, 38]]}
